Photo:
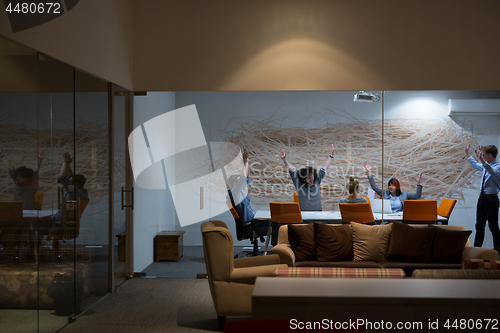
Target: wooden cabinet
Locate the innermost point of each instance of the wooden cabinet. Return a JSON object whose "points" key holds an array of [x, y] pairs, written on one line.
{"points": [[168, 245]]}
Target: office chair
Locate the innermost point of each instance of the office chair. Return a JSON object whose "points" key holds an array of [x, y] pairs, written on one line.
{"points": [[356, 212], [72, 211], [445, 208], [11, 211], [285, 212], [296, 198], [241, 234], [17, 241], [38, 200], [420, 211]]}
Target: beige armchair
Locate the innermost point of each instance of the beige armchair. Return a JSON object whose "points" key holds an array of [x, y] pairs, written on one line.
{"points": [[231, 280]]}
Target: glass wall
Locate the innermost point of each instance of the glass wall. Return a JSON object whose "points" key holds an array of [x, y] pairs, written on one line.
{"points": [[417, 137], [54, 199]]}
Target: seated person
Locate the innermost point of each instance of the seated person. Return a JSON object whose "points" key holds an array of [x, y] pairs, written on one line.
{"points": [[353, 188], [73, 185], [393, 192], [25, 180], [241, 201]]}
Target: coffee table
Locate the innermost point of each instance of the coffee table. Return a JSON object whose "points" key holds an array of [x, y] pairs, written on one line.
{"points": [[394, 300]]}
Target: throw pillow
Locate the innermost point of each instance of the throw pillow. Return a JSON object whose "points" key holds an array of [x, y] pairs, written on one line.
{"points": [[301, 239], [369, 242], [449, 244], [412, 244], [333, 242]]}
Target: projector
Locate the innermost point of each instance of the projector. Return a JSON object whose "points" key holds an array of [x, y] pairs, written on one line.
{"points": [[364, 97]]}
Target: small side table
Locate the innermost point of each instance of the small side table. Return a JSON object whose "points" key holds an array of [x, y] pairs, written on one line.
{"points": [[168, 245]]}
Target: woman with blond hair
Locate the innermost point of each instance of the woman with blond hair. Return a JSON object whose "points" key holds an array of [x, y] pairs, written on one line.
{"points": [[353, 189]]}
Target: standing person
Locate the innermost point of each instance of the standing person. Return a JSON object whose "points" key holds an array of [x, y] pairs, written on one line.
{"points": [[353, 188], [72, 184], [25, 180], [307, 182], [393, 192], [487, 204]]}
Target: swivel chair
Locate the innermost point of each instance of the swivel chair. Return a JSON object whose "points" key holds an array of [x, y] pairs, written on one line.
{"points": [[242, 234]]}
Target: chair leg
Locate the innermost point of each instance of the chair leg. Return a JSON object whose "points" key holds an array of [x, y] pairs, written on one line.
{"points": [[255, 246], [221, 322]]}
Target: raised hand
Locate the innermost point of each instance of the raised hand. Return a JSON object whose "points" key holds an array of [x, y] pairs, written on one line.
{"points": [[368, 166], [67, 158], [245, 156], [467, 147], [333, 150], [419, 176], [41, 155], [282, 153], [479, 153]]}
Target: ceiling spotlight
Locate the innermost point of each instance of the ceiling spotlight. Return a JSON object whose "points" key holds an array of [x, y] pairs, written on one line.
{"points": [[366, 96]]}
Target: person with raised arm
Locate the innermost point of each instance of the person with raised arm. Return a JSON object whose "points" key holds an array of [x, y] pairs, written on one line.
{"points": [[393, 192], [25, 180], [307, 182], [241, 202], [72, 184], [487, 204]]}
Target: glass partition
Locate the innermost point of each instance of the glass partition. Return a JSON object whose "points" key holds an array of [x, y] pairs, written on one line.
{"points": [[415, 137], [54, 242]]}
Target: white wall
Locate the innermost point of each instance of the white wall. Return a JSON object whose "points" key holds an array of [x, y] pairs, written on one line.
{"points": [[154, 210]]}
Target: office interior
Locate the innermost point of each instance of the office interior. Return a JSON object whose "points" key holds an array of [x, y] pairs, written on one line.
{"points": [[269, 75]]}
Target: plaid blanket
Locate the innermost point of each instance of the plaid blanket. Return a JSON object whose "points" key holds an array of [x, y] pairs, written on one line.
{"points": [[340, 272], [492, 265]]}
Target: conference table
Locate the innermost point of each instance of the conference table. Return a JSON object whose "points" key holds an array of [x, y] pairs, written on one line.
{"points": [[29, 218], [330, 217]]}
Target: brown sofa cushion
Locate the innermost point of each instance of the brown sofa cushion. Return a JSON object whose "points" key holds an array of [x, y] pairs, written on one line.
{"points": [[410, 243], [448, 245], [333, 242], [370, 242], [301, 239]]}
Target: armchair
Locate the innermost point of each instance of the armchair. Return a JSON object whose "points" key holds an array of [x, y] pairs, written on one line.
{"points": [[231, 280]]}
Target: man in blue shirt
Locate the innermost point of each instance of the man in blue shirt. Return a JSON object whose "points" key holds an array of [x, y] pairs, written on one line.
{"points": [[241, 202], [72, 184], [487, 204]]}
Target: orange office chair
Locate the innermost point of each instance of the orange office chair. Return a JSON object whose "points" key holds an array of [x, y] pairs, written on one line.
{"points": [[72, 211], [356, 212], [241, 234], [420, 211], [296, 198], [11, 211], [38, 200], [285, 212], [445, 208]]}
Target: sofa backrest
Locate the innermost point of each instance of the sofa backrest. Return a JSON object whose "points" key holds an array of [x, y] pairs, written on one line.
{"points": [[444, 226], [283, 231]]}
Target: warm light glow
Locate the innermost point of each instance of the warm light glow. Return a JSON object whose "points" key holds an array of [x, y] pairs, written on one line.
{"points": [[302, 64]]}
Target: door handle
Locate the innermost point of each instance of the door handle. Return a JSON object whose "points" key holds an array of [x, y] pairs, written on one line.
{"points": [[123, 198]]}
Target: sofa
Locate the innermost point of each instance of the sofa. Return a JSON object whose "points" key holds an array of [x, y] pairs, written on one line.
{"points": [[394, 245]]}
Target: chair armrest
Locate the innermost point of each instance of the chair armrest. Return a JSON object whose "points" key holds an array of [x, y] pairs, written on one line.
{"points": [[474, 252], [248, 275], [271, 259], [285, 253]]}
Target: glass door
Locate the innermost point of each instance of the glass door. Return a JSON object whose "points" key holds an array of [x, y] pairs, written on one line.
{"points": [[123, 193]]}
